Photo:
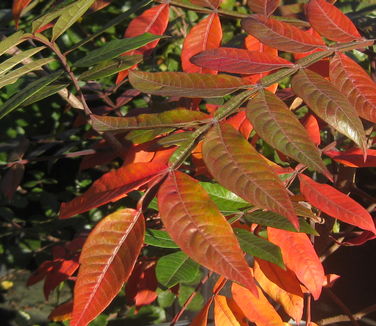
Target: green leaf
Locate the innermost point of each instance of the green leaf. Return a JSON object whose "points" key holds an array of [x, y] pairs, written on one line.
{"points": [[185, 84], [225, 200], [168, 119], [11, 41], [18, 58], [143, 136], [259, 247], [47, 18], [45, 92], [109, 68], [115, 48], [22, 96], [278, 126], [69, 16], [12, 77], [185, 292], [277, 221], [329, 104], [174, 139], [176, 268], [158, 238], [166, 298]]}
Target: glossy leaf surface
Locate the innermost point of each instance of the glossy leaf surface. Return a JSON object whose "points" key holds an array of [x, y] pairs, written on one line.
{"points": [[335, 203], [227, 312], [330, 22], [278, 126], [329, 104], [196, 225], [107, 260], [263, 7], [112, 186], [185, 84], [280, 35], [300, 256], [354, 157], [355, 83], [238, 167], [207, 34], [239, 61]]}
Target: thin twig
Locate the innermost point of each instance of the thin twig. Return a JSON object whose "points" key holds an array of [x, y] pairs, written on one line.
{"points": [[344, 318]]}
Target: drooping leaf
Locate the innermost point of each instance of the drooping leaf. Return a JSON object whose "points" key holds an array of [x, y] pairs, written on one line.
{"points": [[238, 167], [207, 3], [17, 8], [280, 35], [355, 83], [354, 157], [11, 41], [167, 119], [207, 34], [300, 256], [12, 76], [330, 22], [335, 203], [258, 247], [185, 84], [176, 268], [227, 312], [159, 238], [112, 186], [114, 48], [278, 126], [282, 286], [329, 104], [26, 93], [107, 260], [69, 16], [263, 7], [239, 61], [201, 231], [257, 310]]}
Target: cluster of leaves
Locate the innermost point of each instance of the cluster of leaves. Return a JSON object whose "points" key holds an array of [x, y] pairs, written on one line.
{"points": [[203, 180]]}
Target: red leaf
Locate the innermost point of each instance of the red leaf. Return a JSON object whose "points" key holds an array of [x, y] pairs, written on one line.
{"points": [[18, 6], [62, 312], [263, 7], [107, 260], [112, 186], [40, 273], [300, 256], [207, 34], [354, 157], [335, 203], [330, 22], [280, 35], [356, 84], [313, 129], [201, 318], [239, 61], [240, 122], [201, 231], [207, 3]]}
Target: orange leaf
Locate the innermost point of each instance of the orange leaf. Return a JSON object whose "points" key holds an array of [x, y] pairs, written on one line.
{"points": [[107, 260], [240, 122], [201, 318], [263, 7], [354, 157], [207, 3], [207, 34], [311, 124], [330, 22], [282, 286], [257, 310], [227, 313], [112, 186], [62, 312], [335, 203], [18, 6], [201, 231], [300, 256]]}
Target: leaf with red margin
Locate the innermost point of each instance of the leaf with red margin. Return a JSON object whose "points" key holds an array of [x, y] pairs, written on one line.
{"points": [[257, 310], [278, 126], [207, 3], [107, 260], [329, 104], [354, 157], [312, 127], [237, 166], [207, 34], [300, 256], [201, 318], [335, 203], [227, 312], [330, 22], [239, 61], [112, 186], [201, 231], [355, 83], [263, 7], [280, 35], [361, 239], [185, 84], [17, 7], [62, 312], [282, 286]]}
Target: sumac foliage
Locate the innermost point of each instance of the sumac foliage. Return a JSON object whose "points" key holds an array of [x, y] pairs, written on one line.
{"points": [[217, 142]]}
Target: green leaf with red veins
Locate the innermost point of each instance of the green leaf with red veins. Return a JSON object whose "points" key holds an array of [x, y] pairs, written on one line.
{"points": [[236, 165]]}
